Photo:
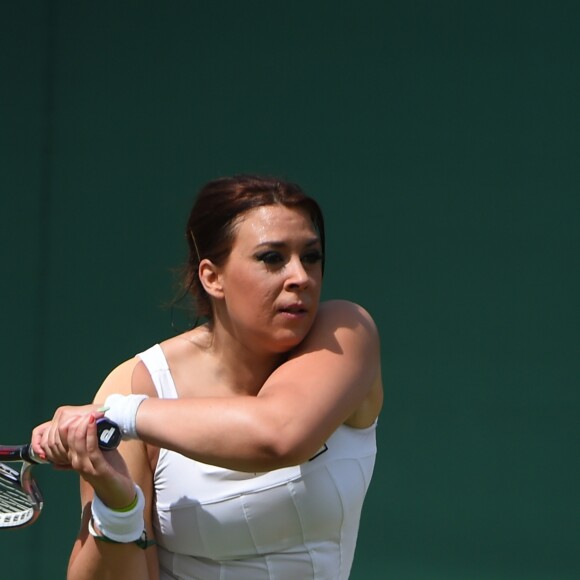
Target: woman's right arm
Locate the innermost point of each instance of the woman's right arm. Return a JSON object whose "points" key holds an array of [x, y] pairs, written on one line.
{"points": [[111, 475], [93, 559]]}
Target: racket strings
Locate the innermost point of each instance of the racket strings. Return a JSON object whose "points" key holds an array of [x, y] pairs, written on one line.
{"points": [[16, 506]]}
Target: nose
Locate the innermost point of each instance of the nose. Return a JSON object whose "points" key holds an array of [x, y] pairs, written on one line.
{"points": [[298, 277]]}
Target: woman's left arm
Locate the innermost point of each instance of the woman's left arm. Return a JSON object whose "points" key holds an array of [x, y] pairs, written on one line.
{"points": [[324, 381]]}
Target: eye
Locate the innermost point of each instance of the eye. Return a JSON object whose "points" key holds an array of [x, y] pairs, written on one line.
{"points": [[270, 257], [312, 257]]}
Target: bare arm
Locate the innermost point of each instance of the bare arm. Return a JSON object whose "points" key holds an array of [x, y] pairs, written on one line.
{"points": [[301, 404], [92, 559]]}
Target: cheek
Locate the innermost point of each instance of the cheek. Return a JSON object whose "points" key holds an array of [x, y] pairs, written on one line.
{"points": [[251, 293]]}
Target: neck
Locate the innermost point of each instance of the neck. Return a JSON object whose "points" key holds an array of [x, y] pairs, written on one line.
{"points": [[243, 369]]}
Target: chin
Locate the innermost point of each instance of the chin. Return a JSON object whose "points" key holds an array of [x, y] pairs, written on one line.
{"points": [[288, 341]]}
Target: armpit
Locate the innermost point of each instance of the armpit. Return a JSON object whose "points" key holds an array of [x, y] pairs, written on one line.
{"points": [[141, 381]]}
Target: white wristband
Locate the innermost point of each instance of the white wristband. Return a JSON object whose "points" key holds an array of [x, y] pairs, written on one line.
{"points": [[119, 526], [122, 409]]}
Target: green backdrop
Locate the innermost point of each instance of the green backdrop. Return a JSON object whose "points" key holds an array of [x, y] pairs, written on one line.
{"points": [[442, 140]]}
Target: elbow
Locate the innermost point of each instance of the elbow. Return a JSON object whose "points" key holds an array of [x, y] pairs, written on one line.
{"points": [[285, 450], [284, 441]]}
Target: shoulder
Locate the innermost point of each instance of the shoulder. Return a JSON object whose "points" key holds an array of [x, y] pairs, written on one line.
{"points": [[341, 318], [344, 328], [346, 312], [356, 338], [131, 376], [334, 375]]}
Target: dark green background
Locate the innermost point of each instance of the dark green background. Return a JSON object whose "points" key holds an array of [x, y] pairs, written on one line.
{"points": [[442, 140]]}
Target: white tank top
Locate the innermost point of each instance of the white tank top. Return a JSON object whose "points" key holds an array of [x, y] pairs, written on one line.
{"points": [[295, 523]]}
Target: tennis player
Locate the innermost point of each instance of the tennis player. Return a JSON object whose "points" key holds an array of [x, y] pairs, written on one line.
{"points": [[249, 441]]}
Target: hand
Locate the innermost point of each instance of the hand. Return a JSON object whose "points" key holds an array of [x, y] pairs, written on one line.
{"points": [[49, 440], [105, 471], [70, 441]]}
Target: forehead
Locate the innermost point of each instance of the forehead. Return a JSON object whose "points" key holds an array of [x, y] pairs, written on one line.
{"points": [[274, 223]]}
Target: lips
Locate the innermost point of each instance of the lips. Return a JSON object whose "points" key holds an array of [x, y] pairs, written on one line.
{"points": [[294, 309]]}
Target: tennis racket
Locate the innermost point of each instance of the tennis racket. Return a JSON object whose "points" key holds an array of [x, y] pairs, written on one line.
{"points": [[20, 497]]}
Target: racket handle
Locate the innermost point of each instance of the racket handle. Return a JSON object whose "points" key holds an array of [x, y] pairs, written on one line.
{"points": [[108, 433]]}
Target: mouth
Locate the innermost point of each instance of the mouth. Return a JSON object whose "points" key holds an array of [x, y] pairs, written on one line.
{"points": [[294, 309]]}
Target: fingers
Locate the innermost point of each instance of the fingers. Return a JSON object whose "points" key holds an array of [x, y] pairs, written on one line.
{"points": [[47, 441], [53, 441], [36, 439], [70, 441], [106, 471], [83, 449], [50, 440]]}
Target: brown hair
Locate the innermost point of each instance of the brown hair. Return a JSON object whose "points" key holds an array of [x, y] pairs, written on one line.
{"points": [[210, 227]]}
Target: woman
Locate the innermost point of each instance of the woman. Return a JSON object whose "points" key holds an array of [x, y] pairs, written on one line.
{"points": [[249, 440]]}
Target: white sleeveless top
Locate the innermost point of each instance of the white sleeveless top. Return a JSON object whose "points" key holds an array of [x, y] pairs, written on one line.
{"points": [[295, 523]]}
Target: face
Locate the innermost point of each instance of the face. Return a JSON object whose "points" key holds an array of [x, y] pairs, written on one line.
{"points": [[271, 281]]}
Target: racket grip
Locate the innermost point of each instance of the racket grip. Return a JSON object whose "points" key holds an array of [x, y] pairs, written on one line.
{"points": [[108, 433]]}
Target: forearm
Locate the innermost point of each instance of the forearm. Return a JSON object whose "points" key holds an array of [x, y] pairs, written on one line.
{"points": [[93, 560], [241, 433], [297, 408]]}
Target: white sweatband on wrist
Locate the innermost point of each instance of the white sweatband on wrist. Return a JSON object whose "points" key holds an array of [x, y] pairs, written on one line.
{"points": [[122, 409], [120, 526]]}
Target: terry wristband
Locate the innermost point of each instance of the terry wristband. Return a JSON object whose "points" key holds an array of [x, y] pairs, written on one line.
{"points": [[120, 526], [122, 409]]}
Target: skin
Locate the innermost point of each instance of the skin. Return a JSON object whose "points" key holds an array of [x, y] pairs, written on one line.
{"points": [[263, 388]]}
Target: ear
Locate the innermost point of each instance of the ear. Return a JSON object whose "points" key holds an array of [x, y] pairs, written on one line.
{"points": [[211, 280]]}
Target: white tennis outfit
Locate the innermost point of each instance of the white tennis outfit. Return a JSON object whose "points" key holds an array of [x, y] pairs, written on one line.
{"points": [[295, 523]]}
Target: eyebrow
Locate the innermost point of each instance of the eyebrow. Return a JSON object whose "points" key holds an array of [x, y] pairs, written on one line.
{"points": [[276, 244]]}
